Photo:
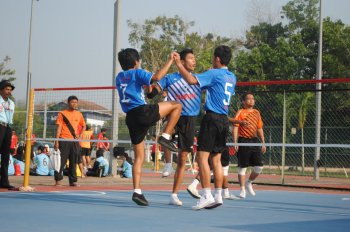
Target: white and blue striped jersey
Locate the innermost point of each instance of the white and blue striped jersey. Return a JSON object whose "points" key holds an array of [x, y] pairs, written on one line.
{"points": [[130, 88], [179, 90], [220, 85]]}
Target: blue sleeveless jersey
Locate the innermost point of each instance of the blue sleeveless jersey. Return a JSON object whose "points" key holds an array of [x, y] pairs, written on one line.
{"points": [[130, 88], [179, 90], [220, 86]]}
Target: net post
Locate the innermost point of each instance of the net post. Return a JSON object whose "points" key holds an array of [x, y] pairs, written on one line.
{"points": [[28, 145]]}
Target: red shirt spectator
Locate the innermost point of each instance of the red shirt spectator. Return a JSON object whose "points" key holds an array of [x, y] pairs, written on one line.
{"points": [[14, 140]]}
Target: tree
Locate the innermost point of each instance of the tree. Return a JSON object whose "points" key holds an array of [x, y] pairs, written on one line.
{"points": [[300, 105], [5, 72]]}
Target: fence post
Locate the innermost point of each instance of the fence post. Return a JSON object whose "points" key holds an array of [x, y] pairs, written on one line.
{"points": [[284, 136]]}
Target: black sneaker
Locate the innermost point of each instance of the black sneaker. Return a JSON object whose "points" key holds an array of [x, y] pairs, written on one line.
{"points": [[167, 143], [139, 199]]}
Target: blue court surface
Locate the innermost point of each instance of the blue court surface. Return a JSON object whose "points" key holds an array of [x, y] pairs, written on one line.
{"points": [[114, 211]]}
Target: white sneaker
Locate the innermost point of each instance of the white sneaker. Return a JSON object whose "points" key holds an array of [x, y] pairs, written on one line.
{"points": [[203, 202], [193, 192], [230, 196], [168, 170], [218, 201], [242, 194], [249, 187], [174, 200]]}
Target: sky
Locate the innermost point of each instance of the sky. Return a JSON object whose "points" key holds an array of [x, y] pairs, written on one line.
{"points": [[72, 40]]}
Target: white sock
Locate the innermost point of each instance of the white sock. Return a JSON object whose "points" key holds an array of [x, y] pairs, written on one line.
{"points": [[207, 191], [174, 194], [243, 188], [218, 191], [195, 183], [167, 136], [226, 191], [138, 191]]}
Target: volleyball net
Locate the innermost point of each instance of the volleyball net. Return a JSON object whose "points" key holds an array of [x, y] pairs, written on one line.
{"points": [[288, 110]]}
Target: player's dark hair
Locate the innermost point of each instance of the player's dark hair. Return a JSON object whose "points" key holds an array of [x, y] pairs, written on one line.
{"points": [[244, 96], [128, 58], [70, 98], [224, 53], [184, 53], [103, 129]]}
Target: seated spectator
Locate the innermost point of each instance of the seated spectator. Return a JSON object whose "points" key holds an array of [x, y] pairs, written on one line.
{"points": [[126, 167], [100, 164], [41, 163]]}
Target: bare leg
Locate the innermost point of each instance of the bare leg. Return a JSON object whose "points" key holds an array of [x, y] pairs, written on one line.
{"points": [[83, 157], [167, 156], [253, 176], [180, 169], [217, 169], [137, 167], [204, 168], [172, 110], [241, 179], [81, 167], [88, 161]]}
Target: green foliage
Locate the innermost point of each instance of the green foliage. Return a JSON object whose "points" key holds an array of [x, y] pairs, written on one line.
{"points": [[5, 72], [285, 50]]}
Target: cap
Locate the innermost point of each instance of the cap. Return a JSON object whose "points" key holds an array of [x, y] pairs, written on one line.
{"points": [[46, 145], [6, 83]]}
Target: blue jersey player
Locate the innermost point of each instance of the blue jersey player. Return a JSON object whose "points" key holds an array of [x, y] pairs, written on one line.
{"points": [[139, 115], [219, 84], [190, 98]]}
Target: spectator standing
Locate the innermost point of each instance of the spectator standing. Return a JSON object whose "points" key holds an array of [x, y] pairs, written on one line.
{"points": [[101, 136], [7, 109], [68, 122], [86, 146]]}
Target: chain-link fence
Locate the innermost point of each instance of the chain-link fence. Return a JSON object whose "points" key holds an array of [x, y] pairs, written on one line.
{"points": [[288, 115], [289, 122]]}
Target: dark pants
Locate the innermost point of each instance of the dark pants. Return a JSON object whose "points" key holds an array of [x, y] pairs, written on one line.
{"points": [[69, 151], [5, 142]]}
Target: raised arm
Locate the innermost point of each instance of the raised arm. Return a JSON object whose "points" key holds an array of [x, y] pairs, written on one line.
{"points": [[164, 70]]}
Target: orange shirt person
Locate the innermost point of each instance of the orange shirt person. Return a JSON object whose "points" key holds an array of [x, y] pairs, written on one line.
{"points": [[252, 132], [69, 149]]}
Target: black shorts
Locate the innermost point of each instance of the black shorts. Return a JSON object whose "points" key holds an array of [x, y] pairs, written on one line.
{"points": [[185, 128], [140, 119], [225, 158], [249, 155], [85, 151], [213, 132]]}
